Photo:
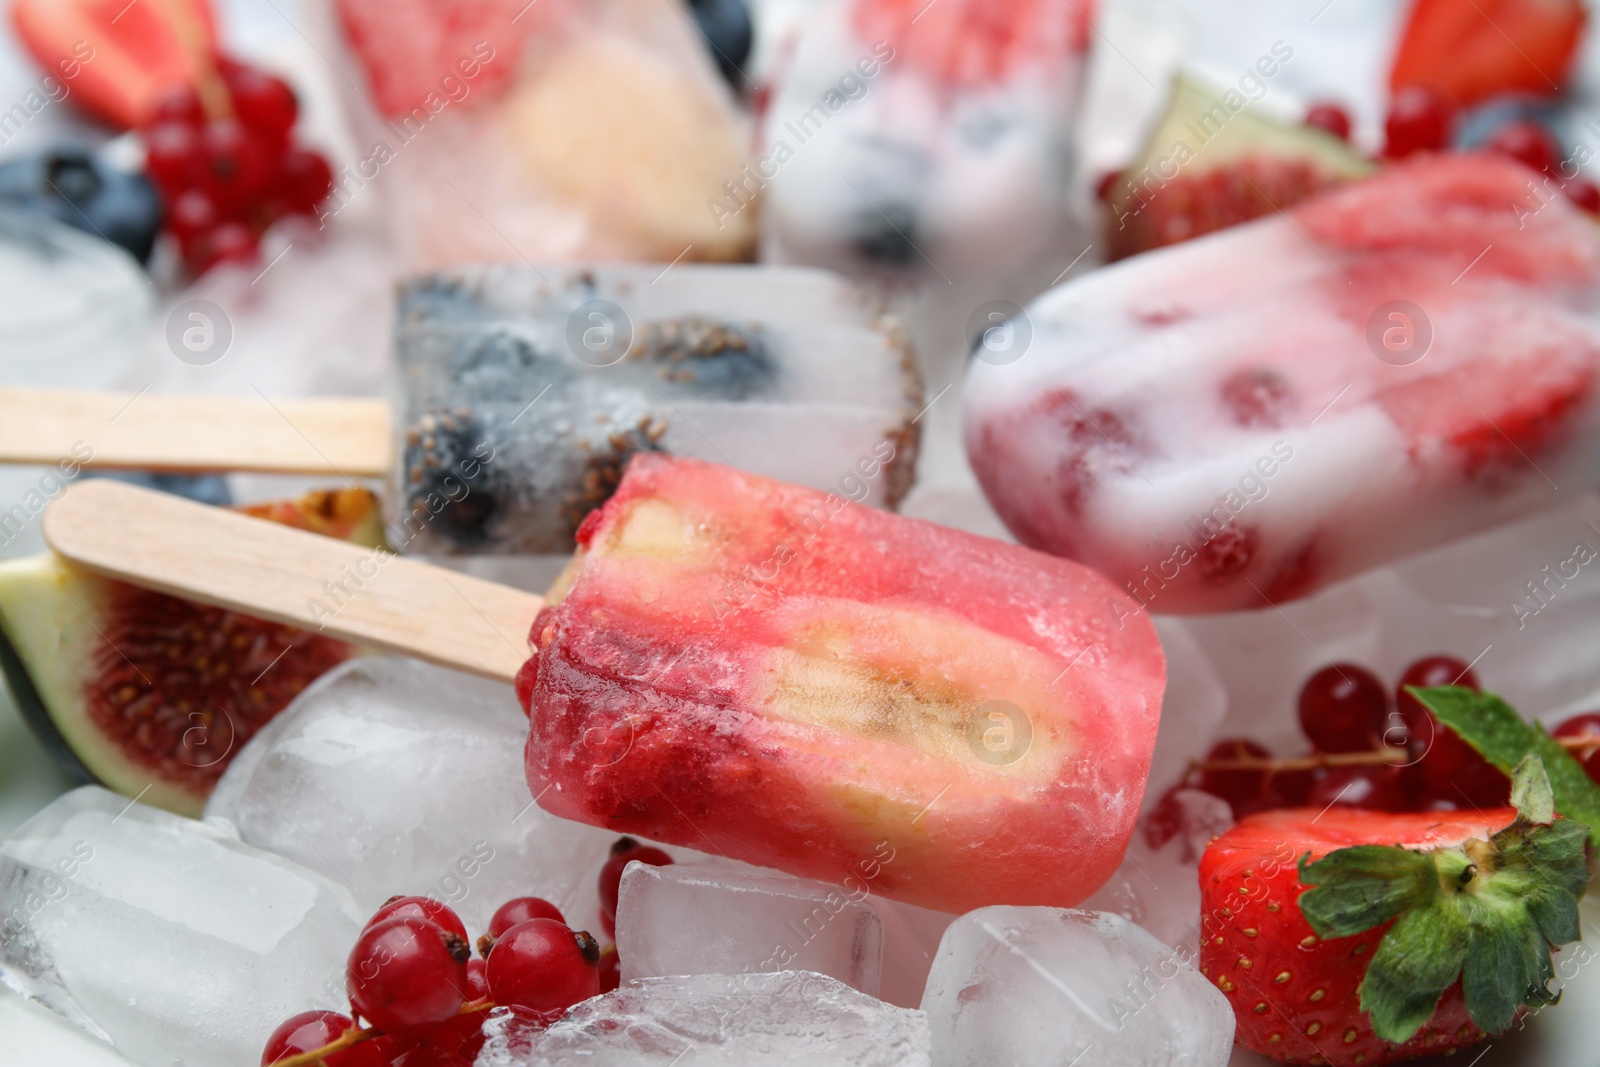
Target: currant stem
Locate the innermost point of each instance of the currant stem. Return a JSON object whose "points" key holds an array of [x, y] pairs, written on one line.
{"points": [[355, 1036], [1394, 757]]}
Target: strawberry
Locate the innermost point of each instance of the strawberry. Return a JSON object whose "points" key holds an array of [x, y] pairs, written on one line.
{"points": [[1481, 49], [1359, 937]]}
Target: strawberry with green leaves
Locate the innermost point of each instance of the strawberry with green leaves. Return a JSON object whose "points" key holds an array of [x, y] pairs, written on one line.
{"points": [[1360, 937]]}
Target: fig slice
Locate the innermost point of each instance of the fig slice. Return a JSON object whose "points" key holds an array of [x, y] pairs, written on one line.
{"points": [[149, 694]]}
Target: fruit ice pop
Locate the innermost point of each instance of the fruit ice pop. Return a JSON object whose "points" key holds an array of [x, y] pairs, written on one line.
{"points": [[524, 391], [509, 131], [1245, 418], [775, 674], [915, 140]]}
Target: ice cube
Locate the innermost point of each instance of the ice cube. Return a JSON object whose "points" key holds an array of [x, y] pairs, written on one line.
{"points": [[697, 919], [393, 776], [720, 1020], [525, 392], [910, 943], [1041, 987], [1158, 884], [165, 936]]}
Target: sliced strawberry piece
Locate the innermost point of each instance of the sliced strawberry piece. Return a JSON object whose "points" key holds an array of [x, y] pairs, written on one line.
{"points": [[1347, 937], [116, 58], [1481, 49], [973, 43]]}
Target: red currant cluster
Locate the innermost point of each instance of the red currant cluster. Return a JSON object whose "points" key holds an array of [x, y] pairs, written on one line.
{"points": [[223, 156], [1370, 749], [412, 978]]}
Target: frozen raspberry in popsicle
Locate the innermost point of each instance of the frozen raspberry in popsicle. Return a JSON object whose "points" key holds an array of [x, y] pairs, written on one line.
{"points": [[782, 676], [1250, 416]]}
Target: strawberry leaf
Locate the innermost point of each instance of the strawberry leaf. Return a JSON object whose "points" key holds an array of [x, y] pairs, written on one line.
{"points": [[1360, 887], [1484, 911], [1493, 727]]}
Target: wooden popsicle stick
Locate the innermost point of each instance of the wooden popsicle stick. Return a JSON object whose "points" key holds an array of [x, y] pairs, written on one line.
{"points": [[221, 557], [333, 436]]}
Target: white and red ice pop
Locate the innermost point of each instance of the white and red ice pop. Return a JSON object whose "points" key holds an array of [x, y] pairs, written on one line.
{"points": [[1248, 417]]}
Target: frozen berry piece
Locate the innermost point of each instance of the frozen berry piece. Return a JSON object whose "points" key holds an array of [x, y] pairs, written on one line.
{"points": [[1343, 709], [1256, 396], [543, 967], [406, 975]]}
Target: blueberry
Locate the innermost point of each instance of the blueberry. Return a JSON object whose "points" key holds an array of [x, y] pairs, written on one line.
{"points": [[707, 357], [725, 24], [449, 482], [205, 488], [70, 185], [884, 236]]}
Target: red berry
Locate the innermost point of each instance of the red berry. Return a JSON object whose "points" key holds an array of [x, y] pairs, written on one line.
{"points": [[312, 1030], [543, 967], [178, 104], [1374, 787], [192, 213], [406, 975], [1330, 117], [1585, 725], [429, 1056], [623, 852], [263, 102], [1420, 120], [1527, 142], [464, 1033], [232, 242], [521, 909], [237, 169], [424, 908], [1255, 396], [174, 157], [1444, 765], [1583, 193], [610, 970], [305, 180], [1244, 790], [1342, 709]]}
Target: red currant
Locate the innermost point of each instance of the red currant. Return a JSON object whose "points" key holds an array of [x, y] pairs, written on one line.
{"points": [[263, 102], [1421, 728], [192, 213], [610, 970], [178, 104], [1244, 790], [1583, 193], [429, 1056], [313, 1030], [1342, 709], [174, 157], [1444, 764], [521, 909], [543, 967], [464, 1033], [623, 852], [237, 169], [1527, 142], [1585, 725], [232, 242], [406, 975], [305, 178], [1376, 787], [425, 908], [1330, 117], [1420, 119]]}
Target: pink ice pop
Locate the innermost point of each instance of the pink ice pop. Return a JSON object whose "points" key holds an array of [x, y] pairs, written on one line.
{"points": [[1248, 417], [784, 677]]}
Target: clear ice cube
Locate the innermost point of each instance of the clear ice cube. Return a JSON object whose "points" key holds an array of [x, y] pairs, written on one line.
{"points": [[720, 1020], [1042, 987], [700, 919], [393, 776], [167, 937]]}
